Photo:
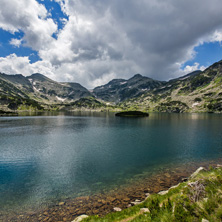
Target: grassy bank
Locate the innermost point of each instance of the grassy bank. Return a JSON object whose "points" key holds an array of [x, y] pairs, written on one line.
{"points": [[198, 199]]}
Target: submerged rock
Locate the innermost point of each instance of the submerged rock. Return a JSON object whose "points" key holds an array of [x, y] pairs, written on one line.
{"points": [[61, 203]]}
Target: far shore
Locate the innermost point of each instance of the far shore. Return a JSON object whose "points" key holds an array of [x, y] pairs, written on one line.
{"points": [[66, 112]]}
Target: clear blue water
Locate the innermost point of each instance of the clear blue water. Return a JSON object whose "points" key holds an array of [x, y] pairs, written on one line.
{"points": [[44, 159]]}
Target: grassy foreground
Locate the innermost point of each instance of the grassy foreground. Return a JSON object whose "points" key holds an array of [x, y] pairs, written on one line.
{"points": [[198, 199]]}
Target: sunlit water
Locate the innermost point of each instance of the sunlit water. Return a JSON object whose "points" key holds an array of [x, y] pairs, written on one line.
{"points": [[44, 159]]}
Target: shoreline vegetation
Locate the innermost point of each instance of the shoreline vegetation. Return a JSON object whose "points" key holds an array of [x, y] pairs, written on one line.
{"points": [[8, 113], [27, 112], [149, 199], [4, 111], [197, 199]]}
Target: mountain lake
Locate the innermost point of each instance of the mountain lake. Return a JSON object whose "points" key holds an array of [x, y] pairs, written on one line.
{"points": [[54, 157]]}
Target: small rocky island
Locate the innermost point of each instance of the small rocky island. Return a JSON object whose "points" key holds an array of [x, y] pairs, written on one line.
{"points": [[132, 114]]}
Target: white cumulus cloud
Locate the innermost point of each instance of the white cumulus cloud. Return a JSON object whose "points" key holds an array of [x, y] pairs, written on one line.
{"points": [[29, 17], [102, 40], [16, 42], [194, 67]]}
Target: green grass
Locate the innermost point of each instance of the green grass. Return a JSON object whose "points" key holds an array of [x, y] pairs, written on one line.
{"points": [[198, 198]]}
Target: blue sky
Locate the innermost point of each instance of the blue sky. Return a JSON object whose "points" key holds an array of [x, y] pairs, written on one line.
{"points": [[206, 54], [56, 13], [6, 48], [92, 42]]}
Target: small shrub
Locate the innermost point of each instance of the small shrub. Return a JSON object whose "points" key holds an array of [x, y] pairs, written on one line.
{"points": [[168, 205], [154, 207], [200, 81], [219, 213], [180, 213], [210, 205], [197, 99]]}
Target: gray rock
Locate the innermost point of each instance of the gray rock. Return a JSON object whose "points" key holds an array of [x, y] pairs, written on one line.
{"points": [[147, 196], [174, 186], [135, 203], [204, 220], [163, 192], [166, 191], [80, 218], [197, 172], [218, 166], [117, 209], [144, 210], [193, 184]]}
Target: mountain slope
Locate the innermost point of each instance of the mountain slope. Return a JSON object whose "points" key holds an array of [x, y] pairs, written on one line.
{"points": [[200, 92], [9, 89], [40, 88], [12, 97], [19, 81], [19, 92], [194, 92], [50, 91], [120, 89]]}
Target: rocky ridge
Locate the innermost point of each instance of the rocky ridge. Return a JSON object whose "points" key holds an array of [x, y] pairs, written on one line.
{"points": [[17, 90], [194, 92], [119, 90]]}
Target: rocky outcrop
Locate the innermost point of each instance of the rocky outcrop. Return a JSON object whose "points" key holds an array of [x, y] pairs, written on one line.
{"points": [[119, 90], [197, 172], [80, 218]]}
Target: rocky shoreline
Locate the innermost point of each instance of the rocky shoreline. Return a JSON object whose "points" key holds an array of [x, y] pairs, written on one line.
{"points": [[104, 203]]}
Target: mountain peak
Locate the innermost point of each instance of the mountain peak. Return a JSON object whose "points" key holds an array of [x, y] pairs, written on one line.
{"points": [[40, 77], [215, 65], [137, 76]]}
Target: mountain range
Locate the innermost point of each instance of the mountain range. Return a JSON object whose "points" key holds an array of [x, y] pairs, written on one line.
{"points": [[195, 92], [119, 90]]}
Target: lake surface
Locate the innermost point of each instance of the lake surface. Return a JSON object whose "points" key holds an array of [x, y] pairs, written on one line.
{"points": [[45, 159]]}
